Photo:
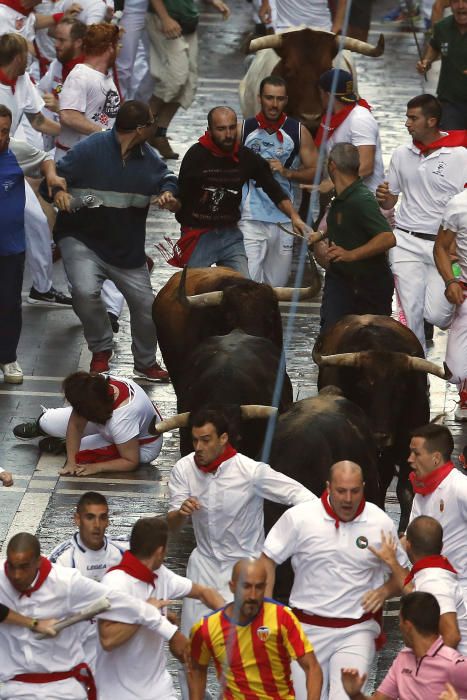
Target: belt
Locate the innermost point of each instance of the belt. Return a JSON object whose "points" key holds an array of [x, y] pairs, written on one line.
{"points": [[424, 236], [81, 673]]}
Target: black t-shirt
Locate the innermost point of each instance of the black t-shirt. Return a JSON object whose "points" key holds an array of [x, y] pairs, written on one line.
{"points": [[210, 187]]}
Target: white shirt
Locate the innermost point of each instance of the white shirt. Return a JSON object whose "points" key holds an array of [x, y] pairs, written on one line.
{"points": [[448, 505], [92, 93], [25, 99], [137, 669], [64, 593], [229, 524], [46, 43], [14, 22], [93, 11], [333, 567], [426, 183], [360, 128], [445, 587], [455, 219], [312, 13]]}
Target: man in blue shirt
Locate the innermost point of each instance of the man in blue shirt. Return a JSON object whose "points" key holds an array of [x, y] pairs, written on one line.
{"points": [[17, 159]]}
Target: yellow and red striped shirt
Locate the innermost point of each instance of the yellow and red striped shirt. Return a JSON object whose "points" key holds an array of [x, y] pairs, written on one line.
{"points": [[252, 660]]}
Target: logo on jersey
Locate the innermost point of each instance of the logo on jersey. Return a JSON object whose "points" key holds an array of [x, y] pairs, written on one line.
{"points": [[7, 185], [263, 633], [361, 542], [444, 48], [441, 505], [440, 169], [255, 146]]}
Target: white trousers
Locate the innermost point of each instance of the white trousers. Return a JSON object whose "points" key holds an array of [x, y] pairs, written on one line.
{"points": [[456, 351], [38, 242], [69, 689], [352, 647], [133, 59], [54, 422], [112, 298], [419, 286], [269, 251]]}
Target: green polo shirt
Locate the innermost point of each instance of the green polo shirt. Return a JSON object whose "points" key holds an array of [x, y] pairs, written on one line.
{"points": [[181, 10], [354, 219], [447, 39]]}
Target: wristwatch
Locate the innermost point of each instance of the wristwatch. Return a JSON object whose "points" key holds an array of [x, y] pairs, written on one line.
{"points": [[34, 623]]}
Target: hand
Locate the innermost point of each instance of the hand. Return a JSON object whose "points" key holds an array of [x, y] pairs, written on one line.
{"points": [[68, 468], [315, 237], [264, 12], [222, 8], [171, 28], [382, 192], [300, 226], [277, 167], [53, 180], [88, 469], [373, 601], [423, 66], [352, 681], [62, 201], [449, 694], [6, 478], [180, 648], [338, 254], [387, 550], [46, 627], [454, 293], [189, 506], [166, 200], [51, 102], [73, 10]]}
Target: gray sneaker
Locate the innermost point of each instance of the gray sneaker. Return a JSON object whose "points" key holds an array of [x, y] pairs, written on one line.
{"points": [[12, 373]]}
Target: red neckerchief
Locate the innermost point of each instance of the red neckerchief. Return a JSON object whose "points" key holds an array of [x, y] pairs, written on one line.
{"points": [[69, 65], [45, 567], [123, 392], [435, 561], [330, 510], [336, 120], [134, 567], [5, 80], [213, 148], [228, 452], [430, 482], [451, 140], [272, 127], [17, 6]]}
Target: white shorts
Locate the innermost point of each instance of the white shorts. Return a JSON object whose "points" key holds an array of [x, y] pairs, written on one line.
{"points": [[69, 689], [269, 251]]}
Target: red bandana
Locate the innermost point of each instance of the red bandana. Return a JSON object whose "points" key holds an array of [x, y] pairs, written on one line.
{"points": [[435, 561], [451, 140], [11, 82], [17, 6], [69, 65], [134, 567], [430, 482], [272, 127], [228, 453], [184, 247], [208, 143], [45, 567], [330, 510], [336, 120]]}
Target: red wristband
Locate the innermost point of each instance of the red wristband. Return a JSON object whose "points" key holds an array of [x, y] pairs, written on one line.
{"points": [[58, 16]]}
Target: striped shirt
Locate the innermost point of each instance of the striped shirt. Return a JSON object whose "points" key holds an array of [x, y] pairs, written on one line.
{"points": [[252, 660]]}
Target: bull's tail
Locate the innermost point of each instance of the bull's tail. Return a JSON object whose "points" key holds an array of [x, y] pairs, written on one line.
{"points": [[181, 292]]}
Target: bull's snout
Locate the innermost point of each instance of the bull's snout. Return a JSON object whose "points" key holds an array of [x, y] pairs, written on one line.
{"points": [[383, 440]]}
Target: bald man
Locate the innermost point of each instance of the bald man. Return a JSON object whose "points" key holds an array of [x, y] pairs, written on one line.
{"points": [[269, 635], [211, 178], [340, 585]]}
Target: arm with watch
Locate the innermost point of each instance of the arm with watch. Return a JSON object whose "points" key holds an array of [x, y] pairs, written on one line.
{"points": [[441, 252], [10, 617]]}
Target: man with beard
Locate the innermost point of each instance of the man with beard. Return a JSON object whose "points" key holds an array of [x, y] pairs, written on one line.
{"points": [[211, 178], [283, 142], [268, 634]]}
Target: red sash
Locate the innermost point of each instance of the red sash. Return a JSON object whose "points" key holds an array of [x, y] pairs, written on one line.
{"points": [[435, 561], [213, 148], [336, 120], [184, 247], [330, 510], [430, 482], [272, 127], [342, 622], [5, 80], [81, 672], [45, 567], [132, 566], [451, 140], [228, 453]]}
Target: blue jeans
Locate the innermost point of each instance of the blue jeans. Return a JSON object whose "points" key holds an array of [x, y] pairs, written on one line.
{"points": [[221, 246]]}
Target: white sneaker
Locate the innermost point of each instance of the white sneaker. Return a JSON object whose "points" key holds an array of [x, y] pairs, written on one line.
{"points": [[12, 373]]}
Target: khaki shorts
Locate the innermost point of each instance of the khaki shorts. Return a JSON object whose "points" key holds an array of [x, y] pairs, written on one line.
{"points": [[173, 64]]}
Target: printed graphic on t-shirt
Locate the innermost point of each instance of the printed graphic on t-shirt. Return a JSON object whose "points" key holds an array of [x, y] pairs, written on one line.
{"points": [[109, 110], [213, 198]]}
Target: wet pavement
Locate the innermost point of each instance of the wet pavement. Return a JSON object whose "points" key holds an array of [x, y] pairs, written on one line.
{"points": [[52, 345]]}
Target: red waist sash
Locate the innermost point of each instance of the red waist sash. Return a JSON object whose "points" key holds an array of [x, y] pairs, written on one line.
{"points": [[342, 622], [82, 673]]}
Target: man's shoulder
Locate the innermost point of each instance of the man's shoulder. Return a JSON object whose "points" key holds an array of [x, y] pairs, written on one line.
{"points": [[119, 543], [444, 26], [63, 552], [375, 514]]}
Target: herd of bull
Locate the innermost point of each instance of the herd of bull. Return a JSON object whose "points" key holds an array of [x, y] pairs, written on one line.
{"points": [[221, 339]]}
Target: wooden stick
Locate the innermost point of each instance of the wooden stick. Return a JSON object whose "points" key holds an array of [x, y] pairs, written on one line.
{"points": [[88, 613]]}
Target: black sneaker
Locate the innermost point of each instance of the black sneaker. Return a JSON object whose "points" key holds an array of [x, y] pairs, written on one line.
{"points": [[28, 431], [53, 445], [51, 298], [113, 321]]}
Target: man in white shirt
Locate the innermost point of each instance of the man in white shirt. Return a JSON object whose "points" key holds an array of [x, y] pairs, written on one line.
{"points": [[440, 491], [292, 13], [54, 669], [131, 662], [453, 231], [90, 551], [339, 584], [427, 173]]}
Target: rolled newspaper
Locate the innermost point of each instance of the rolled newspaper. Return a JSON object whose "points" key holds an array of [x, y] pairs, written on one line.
{"points": [[88, 613]]}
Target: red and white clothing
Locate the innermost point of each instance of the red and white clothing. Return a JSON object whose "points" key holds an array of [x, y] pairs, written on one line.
{"points": [[448, 505], [128, 420], [92, 11], [137, 669], [63, 593], [16, 22], [319, 547], [426, 184], [44, 43]]}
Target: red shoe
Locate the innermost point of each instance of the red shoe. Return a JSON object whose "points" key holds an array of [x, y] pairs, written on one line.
{"points": [[154, 374], [100, 361]]}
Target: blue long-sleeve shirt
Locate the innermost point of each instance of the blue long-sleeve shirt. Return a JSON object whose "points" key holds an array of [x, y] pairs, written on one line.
{"points": [[116, 230]]}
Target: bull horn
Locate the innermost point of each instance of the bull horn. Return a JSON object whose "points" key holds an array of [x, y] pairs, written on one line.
{"points": [[287, 293], [351, 44], [419, 364], [178, 421], [257, 411], [207, 299], [271, 41], [343, 359]]}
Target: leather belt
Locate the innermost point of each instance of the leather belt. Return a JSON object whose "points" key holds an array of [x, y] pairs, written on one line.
{"points": [[424, 236]]}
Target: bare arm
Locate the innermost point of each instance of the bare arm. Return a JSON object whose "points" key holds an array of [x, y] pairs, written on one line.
{"points": [[437, 11], [449, 629], [353, 684], [377, 245], [339, 16], [308, 156], [170, 27], [314, 675], [208, 596], [46, 21], [374, 600], [384, 197], [197, 681], [74, 433], [78, 122], [386, 552], [431, 55], [270, 574], [367, 160], [126, 462], [176, 519], [53, 180], [113, 634], [298, 225], [40, 626], [43, 124], [441, 252]]}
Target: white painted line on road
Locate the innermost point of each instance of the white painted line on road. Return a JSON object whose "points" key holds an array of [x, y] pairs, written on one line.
{"points": [[201, 91], [28, 516], [218, 80], [115, 482], [112, 494], [31, 393], [38, 378]]}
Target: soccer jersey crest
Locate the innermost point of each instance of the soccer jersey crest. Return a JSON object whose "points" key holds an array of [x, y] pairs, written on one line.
{"points": [[263, 633]]}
